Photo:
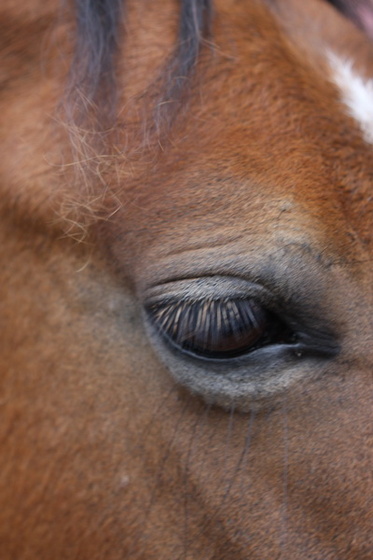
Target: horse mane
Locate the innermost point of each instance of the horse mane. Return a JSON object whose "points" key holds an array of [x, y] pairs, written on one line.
{"points": [[99, 28]]}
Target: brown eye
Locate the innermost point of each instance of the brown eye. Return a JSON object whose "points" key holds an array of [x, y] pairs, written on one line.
{"points": [[216, 329]]}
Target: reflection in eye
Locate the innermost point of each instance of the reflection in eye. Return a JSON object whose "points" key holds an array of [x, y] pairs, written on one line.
{"points": [[218, 329]]}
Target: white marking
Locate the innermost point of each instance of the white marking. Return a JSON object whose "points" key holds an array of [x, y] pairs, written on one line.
{"points": [[124, 481], [356, 92]]}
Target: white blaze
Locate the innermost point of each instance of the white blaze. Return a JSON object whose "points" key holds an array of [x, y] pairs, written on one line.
{"points": [[356, 93]]}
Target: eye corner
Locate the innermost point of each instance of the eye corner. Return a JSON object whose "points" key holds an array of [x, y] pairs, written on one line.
{"points": [[317, 345]]}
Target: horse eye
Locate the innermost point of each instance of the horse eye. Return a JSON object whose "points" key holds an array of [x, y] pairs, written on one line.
{"points": [[218, 329]]}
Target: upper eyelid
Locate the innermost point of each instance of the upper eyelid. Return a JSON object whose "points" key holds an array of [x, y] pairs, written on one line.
{"points": [[274, 270]]}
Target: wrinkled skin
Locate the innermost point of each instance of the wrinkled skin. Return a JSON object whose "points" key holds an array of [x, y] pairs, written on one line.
{"points": [[104, 453]]}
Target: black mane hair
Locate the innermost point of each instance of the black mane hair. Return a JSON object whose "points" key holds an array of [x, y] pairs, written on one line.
{"points": [[97, 36]]}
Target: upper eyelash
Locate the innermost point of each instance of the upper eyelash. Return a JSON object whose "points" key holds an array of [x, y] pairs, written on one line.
{"points": [[202, 326]]}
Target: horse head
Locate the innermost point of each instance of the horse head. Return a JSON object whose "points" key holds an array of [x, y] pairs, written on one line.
{"points": [[186, 281]]}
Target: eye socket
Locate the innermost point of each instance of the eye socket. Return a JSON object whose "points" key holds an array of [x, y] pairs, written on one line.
{"points": [[218, 329]]}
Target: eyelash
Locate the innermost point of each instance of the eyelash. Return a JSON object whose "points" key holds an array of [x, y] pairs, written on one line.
{"points": [[218, 328]]}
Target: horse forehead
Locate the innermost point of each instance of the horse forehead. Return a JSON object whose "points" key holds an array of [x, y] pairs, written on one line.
{"points": [[266, 127], [239, 177]]}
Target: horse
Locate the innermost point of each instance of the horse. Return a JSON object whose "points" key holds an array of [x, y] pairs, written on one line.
{"points": [[186, 280]]}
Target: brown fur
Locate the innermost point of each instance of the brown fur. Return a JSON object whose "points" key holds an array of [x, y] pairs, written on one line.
{"points": [[103, 456]]}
